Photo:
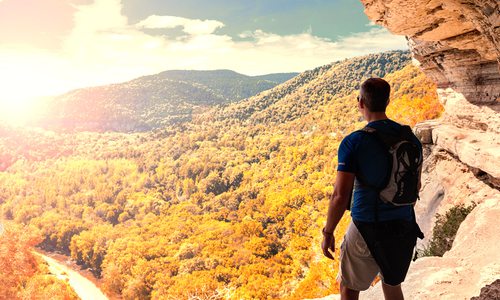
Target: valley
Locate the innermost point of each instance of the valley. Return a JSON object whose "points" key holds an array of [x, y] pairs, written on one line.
{"points": [[229, 203]]}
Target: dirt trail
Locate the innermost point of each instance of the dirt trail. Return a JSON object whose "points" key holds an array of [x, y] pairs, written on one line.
{"points": [[83, 287]]}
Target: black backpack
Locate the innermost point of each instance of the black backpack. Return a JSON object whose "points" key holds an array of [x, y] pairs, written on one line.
{"points": [[405, 157]]}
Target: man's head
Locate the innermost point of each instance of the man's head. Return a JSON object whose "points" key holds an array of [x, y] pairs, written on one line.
{"points": [[375, 93]]}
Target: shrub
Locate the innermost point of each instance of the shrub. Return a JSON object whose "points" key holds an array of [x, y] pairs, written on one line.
{"points": [[445, 230]]}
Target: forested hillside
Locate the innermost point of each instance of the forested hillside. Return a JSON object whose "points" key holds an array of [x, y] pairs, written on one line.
{"points": [[311, 89], [151, 101], [227, 206]]}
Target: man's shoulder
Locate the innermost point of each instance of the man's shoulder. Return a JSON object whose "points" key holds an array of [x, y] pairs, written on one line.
{"points": [[355, 134], [353, 137]]}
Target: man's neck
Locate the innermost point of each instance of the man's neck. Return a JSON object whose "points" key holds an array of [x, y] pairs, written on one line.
{"points": [[375, 116]]}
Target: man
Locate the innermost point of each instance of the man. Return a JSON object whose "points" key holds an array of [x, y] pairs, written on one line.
{"points": [[363, 163]]}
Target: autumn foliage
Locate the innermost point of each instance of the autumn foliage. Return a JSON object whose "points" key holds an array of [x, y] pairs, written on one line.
{"points": [[229, 206], [22, 274], [414, 97]]}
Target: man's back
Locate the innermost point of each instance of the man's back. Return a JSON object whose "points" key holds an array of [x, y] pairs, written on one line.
{"points": [[363, 154]]}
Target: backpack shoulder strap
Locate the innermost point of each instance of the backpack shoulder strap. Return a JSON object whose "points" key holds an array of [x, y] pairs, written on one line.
{"points": [[405, 134], [368, 129], [360, 179], [382, 138]]}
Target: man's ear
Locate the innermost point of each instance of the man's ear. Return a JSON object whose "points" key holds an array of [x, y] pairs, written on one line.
{"points": [[361, 104]]}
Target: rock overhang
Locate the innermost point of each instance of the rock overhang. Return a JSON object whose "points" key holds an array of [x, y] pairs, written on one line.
{"points": [[457, 43]]}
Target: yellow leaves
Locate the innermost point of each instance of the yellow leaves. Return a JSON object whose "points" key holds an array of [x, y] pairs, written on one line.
{"points": [[319, 281], [47, 287], [414, 110], [298, 222], [258, 246], [187, 251], [250, 227], [413, 98]]}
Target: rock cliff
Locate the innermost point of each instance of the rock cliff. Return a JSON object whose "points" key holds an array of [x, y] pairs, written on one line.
{"points": [[457, 44]]}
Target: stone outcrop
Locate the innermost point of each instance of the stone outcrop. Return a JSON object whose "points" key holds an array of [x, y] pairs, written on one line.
{"points": [[457, 44], [475, 148]]}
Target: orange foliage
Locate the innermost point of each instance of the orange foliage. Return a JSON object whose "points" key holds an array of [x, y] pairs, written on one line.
{"points": [[17, 262], [411, 111], [22, 276], [320, 280], [413, 98]]}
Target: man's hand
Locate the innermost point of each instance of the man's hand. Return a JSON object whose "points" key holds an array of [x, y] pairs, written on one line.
{"points": [[328, 244]]}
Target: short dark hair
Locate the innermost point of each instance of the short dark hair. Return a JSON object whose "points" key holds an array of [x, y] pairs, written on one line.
{"points": [[375, 93]]}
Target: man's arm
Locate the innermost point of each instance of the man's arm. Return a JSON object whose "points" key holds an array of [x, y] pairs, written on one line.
{"points": [[336, 208], [339, 200]]}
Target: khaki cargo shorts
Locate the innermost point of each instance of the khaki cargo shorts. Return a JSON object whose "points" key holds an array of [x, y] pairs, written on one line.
{"points": [[358, 268]]}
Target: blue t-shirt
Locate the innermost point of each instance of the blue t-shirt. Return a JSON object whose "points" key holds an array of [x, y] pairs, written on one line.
{"points": [[362, 154]]}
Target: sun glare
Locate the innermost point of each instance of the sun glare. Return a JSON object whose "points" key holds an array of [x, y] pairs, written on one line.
{"points": [[24, 81], [16, 110]]}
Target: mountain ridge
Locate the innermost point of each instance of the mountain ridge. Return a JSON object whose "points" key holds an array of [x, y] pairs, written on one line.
{"points": [[151, 101], [310, 89]]}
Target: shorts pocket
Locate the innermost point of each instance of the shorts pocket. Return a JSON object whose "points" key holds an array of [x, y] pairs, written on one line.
{"points": [[361, 248]]}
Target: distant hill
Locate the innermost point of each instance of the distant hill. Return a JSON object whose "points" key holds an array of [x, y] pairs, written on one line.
{"points": [[295, 98], [151, 101]]}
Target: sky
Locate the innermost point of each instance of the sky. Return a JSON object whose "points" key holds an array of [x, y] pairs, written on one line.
{"points": [[48, 47]]}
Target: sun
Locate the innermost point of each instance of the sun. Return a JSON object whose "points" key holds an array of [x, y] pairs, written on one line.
{"points": [[16, 110], [21, 91]]}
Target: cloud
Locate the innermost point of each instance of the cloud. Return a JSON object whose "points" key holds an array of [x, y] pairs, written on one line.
{"points": [[376, 38], [305, 51], [190, 26], [103, 48]]}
